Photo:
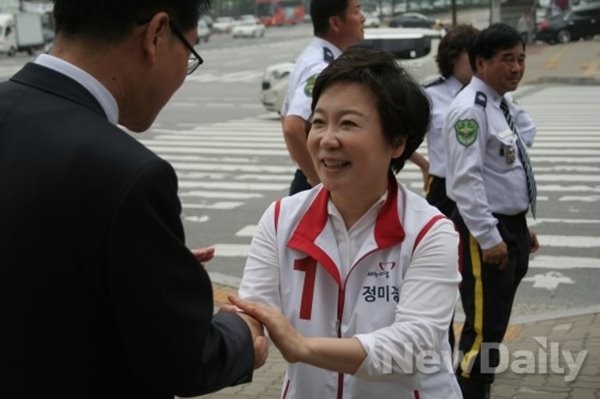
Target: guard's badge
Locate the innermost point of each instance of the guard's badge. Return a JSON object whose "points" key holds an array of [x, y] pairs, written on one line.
{"points": [[466, 131], [310, 84]]}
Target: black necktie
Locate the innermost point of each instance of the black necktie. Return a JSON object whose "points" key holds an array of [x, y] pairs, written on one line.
{"points": [[531, 186]]}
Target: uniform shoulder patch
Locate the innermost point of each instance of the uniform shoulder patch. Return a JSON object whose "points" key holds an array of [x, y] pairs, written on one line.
{"points": [[466, 131], [328, 55], [309, 85], [480, 99]]}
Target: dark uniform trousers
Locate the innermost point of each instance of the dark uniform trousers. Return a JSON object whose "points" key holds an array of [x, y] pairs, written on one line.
{"points": [[436, 195], [487, 295], [299, 183]]}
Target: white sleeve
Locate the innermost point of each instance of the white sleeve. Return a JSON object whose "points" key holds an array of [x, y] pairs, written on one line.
{"points": [[428, 295], [260, 281], [301, 97], [464, 176], [525, 125]]}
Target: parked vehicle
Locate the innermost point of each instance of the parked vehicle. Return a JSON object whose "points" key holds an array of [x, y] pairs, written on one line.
{"points": [[280, 12], [579, 22], [223, 24], [414, 49], [203, 31], [411, 20], [371, 21], [248, 28], [21, 32], [274, 85]]}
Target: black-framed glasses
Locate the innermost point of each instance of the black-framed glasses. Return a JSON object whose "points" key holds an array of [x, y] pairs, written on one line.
{"points": [[194, 61]]}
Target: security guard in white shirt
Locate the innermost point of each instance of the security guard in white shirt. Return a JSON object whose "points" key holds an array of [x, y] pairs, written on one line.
{"points": [[489, 177], [337, 24], [453, 63]]}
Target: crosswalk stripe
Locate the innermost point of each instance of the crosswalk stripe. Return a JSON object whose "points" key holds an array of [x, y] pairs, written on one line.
{"points": [[231, 151], [547, 240], [563, 262]]}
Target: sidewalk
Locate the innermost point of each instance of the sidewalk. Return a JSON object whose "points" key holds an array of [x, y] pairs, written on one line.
{"points": [[537, 360]]}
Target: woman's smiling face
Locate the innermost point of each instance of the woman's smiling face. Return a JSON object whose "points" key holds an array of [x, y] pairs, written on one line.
{"points": [[347, 143]]}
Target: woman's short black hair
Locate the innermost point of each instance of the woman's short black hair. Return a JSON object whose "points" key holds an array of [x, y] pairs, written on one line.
{"points": [[402, 105]]}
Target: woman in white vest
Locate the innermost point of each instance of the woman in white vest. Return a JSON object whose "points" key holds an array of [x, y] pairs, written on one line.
{"points": [[356, 279]]}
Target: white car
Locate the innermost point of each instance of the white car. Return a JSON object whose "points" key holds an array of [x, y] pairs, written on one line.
{"points": [[203, 31], [371, 21], [223, 24], [248, 28], [414, 48]]}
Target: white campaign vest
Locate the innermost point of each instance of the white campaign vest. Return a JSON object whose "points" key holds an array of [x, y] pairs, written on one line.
{"points": [[318, 303]]}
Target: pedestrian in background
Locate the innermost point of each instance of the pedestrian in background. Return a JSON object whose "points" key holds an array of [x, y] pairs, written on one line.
{"points": [[99, 296], [490, 178], [365, 270], [337, 24]]}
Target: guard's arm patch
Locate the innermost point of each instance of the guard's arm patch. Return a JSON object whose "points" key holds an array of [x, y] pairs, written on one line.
{"points": [[466, 131], [309, 85]]}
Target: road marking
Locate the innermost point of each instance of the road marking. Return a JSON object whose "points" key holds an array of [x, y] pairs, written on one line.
{"points": [[220, 194], [580, 198], [221, 205], [197, 219], [553, 60], [229, 185], [234, 168], [547, 240], [564, 189], [231, 250], [549, 281], [230, 151], [247, 231], [563, 262], [208, 143], [534, 222], [591, 68]]}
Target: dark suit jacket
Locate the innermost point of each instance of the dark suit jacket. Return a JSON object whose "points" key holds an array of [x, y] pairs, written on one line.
{"points": [[99, 296]]}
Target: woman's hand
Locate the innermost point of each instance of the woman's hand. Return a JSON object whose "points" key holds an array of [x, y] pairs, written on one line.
{"points": [[288, 340]]}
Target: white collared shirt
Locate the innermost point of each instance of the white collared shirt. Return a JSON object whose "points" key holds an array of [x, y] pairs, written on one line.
{"points": [[309, 64], [480, 177], [440, 95], [96, 89]]}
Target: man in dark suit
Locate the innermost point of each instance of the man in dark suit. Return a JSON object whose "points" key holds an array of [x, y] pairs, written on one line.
{"points": [[99, 296]]}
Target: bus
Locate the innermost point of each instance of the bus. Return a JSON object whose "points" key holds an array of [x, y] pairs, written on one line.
{"points": [[280, 12]]}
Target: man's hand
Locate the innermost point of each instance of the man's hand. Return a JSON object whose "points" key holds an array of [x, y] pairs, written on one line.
{"points": [[496, 255], [289, 341], [204, 254], [534, 244], [261, 345]]}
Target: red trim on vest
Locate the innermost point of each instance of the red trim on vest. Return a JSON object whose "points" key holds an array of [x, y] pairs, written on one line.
{"points": [[277, 210], [285, 391], [311, 225], [425, 229], [417, 395], [340, 391], [388, 229]]}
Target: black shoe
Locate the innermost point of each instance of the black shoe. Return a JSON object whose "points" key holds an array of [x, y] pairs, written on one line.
{"points": [[473, 388]]}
